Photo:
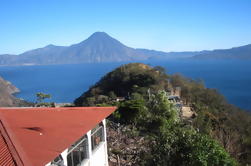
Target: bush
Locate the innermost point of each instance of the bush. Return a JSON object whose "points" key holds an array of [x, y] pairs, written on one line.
{"points": [[132, 111], [181, 146]]}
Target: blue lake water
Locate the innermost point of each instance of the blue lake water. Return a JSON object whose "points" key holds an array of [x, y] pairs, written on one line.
{"points": [[67, 82]]}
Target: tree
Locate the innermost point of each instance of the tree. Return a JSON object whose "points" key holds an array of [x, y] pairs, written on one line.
{"points": [[132, 111], [184, 146], [42, 96], [112, 95], [40, 99], [164, 113]]}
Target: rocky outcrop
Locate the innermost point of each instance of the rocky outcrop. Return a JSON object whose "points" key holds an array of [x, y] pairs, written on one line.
{"points": [[6, 95], [8, 86]]}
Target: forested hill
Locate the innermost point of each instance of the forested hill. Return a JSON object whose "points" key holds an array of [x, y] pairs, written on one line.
{"points": [[127, 79], [141, 94]]}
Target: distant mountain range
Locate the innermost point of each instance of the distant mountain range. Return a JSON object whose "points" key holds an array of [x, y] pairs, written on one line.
{"points": [[100, 47], [243, 52]]}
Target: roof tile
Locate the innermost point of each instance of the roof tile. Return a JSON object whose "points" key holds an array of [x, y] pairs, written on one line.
{"points": [[6, 158], [39, 135]]}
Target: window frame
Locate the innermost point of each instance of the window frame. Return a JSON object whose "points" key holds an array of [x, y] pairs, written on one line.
{"points": [[58, 161], [70, 156], [101, 136]]}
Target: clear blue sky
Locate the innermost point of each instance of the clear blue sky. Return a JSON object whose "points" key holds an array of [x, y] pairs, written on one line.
{"points": [[168, 25]]}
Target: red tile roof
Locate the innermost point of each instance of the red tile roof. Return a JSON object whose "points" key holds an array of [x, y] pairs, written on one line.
{"points": [[6, 157], [35, 136]]}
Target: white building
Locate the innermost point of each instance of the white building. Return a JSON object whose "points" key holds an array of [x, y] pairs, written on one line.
{"points": [[89, 150], [74, 136]]}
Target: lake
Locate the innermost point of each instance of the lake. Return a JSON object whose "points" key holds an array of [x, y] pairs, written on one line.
{"points": [[67, 82]]}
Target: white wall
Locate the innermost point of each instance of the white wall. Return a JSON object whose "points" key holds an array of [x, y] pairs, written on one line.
{"points": [[97, 157]]}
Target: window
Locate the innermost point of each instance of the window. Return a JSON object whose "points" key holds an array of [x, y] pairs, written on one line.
{"points": [[97, 135], [58, 161], [78, 152]]}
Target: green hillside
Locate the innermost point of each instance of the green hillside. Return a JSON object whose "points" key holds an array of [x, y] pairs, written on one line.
{"points": [[218, 131]]}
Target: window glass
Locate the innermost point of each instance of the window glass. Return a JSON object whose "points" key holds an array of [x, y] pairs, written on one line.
{"points": [[76, 157], [69, 159], [97, 136], [83, 149], [78, 152], [58, 161]]}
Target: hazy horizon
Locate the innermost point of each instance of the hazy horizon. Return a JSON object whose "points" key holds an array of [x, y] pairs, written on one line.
{"points": [[122, 43]]}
